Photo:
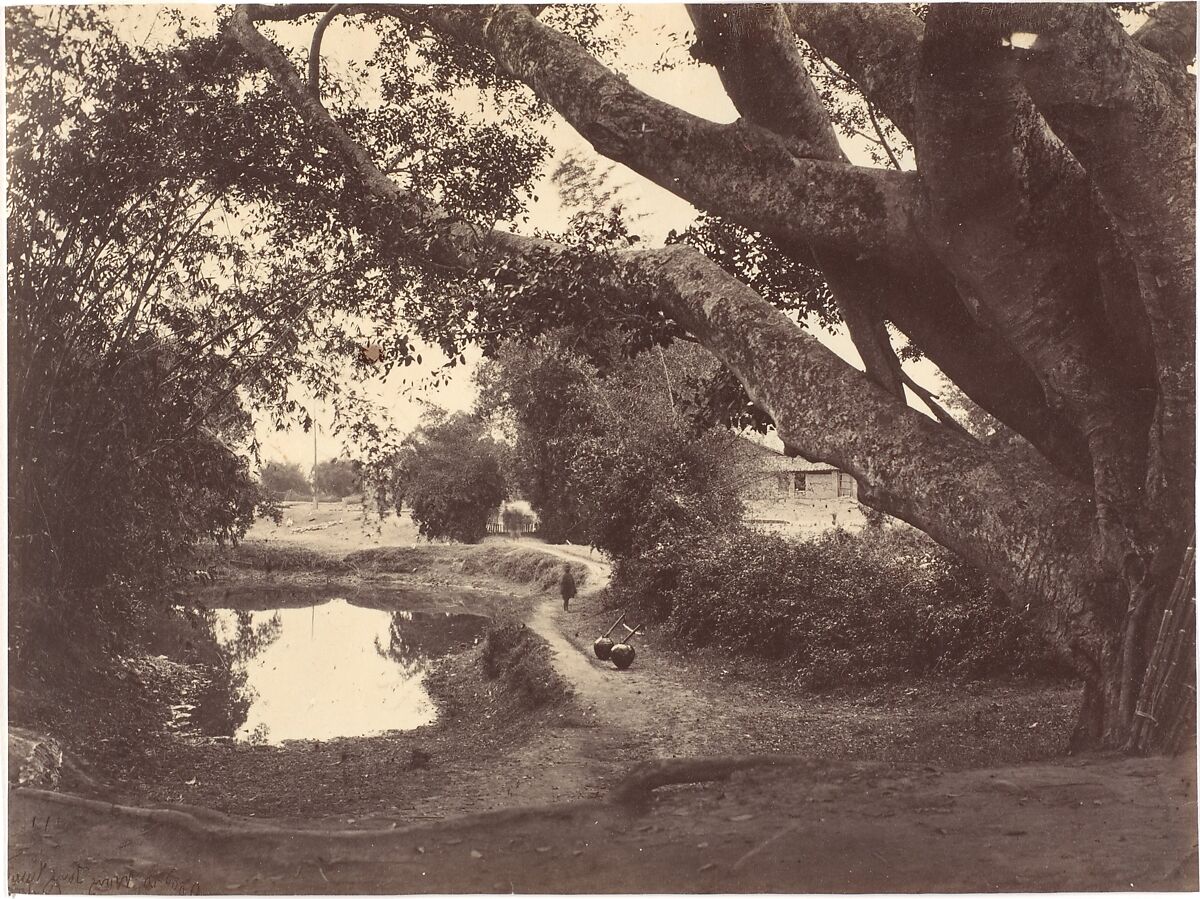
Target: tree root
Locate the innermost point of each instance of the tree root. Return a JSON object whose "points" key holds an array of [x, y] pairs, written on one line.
{"points": [[648, 776]]}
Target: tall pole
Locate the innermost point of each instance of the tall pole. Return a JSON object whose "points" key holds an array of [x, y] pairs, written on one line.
{"points": [[314, 474]]}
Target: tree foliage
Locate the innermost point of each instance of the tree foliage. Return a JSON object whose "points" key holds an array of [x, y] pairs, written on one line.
{"points": [[280, 478], [338, 477], [447, 473], [609, 450], [128, 442]]}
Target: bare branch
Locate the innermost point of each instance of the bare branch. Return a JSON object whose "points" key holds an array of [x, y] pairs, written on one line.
{"points": [[314, 51], [881, 138]]}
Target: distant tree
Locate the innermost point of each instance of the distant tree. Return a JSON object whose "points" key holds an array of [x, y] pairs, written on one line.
{"points": [[280, 478], [338, 477], [448, 474], [545, 394]]}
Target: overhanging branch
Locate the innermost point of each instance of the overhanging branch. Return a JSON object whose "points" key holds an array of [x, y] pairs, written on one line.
{"points": [[820, 404], [739, 171]]}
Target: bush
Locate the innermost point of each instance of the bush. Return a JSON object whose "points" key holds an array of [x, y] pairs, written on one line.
{"points": [[841, 609]]}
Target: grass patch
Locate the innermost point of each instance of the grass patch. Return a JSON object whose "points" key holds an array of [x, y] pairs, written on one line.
{"points": [[400, 559], [265, 556], [520, 660], [523, 566]]}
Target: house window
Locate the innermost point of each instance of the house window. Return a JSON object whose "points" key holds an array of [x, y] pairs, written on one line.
{"points": [[845, 485], [801, 482]]}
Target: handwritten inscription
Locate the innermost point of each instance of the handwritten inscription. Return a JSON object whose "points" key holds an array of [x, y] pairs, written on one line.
{"points": [[46, 879]]}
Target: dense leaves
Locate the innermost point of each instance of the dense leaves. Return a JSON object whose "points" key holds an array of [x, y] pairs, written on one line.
{"points": [[338, 477], [280, 478], [840, 609], [447, 473], [128, 441], [611, 456]]}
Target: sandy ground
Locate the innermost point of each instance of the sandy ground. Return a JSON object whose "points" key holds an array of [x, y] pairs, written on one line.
{"points": [[844, 810]]}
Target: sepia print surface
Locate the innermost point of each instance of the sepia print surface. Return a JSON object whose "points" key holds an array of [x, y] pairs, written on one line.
{"points": [[601, 449]]}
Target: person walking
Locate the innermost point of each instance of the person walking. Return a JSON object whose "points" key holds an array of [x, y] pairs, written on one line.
{"points": [[566, 586]]}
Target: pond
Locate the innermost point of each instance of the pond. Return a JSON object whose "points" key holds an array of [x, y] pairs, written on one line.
{"points": [[332, 669]]}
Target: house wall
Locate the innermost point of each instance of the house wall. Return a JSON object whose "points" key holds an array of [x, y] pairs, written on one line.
{"points": [[788, 486]]}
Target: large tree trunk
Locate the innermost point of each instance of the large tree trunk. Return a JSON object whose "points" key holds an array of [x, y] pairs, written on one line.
{"points": [[1144, 699]]}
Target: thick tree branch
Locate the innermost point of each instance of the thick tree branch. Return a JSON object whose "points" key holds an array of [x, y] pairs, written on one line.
{"points": [[1128, 115], [1170, 31], [765, 77], [831, 412], [985, 367], [1010, 211], [739, 171], [876, 44], [754, 50], [859, 292]]}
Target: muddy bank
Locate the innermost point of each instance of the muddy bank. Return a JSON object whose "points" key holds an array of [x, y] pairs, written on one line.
{"points": [[487, 704]]}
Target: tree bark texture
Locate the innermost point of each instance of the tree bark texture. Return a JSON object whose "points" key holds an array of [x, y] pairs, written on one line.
{"points": [[1041, 254]]}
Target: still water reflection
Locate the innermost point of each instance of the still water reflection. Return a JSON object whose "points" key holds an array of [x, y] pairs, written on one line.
{"points": [[334, 669]]}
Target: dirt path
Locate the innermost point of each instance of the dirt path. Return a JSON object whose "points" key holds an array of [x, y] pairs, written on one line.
{"points": [[629, 700]]}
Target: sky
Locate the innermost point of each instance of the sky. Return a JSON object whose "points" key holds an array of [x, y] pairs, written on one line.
{"points": [[653, 211]]}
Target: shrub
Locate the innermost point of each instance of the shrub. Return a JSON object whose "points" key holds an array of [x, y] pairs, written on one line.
{"points": [[841, 609]]}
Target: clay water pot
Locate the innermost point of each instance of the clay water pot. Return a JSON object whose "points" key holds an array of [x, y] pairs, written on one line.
{"points": [[602, 648], [622, 655]]}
